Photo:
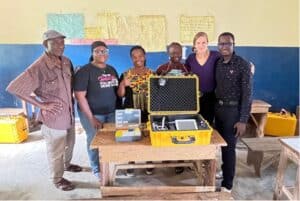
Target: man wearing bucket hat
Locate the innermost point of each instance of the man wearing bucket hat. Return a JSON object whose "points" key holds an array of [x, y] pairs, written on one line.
{"points": [[49, 79]]}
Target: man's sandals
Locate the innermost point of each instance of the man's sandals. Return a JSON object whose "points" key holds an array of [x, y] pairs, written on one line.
{"points": [[64, 185], [73, 168]]}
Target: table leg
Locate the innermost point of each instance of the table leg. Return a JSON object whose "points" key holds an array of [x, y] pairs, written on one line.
{"points": [[296, 190], [104, 174], [199, 171], [111, 176], [280, 174], [211, 168], [255, 158], [259, 120]]}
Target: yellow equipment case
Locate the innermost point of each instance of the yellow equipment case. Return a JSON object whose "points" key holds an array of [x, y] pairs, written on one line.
{"points": [[173, 104], [13, 129], [280, 124]]}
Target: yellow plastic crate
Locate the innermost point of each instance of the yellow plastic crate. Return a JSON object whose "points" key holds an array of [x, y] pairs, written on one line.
{"points": [[280, 124], [13, 129], [177, 99]]}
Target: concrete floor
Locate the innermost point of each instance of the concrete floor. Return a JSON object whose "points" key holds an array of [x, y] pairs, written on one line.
{"points": [[24, 175]]}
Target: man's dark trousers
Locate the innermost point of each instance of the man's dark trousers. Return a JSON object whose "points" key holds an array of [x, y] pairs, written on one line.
{"points": [[225, 118]]}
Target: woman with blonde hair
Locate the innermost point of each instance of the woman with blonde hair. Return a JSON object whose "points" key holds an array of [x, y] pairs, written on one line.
{"points": [[202, 63]]}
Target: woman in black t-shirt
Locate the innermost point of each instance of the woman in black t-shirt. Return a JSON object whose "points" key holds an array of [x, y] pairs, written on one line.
{"points": [[95, 89]]}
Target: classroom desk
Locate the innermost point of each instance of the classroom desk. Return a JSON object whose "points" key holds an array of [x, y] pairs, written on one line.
{"points": [[290, 151], [258, 114], [116, 155]]}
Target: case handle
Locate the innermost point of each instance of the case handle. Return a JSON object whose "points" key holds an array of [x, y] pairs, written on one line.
{"points": [[175, 140], [285, 113]]}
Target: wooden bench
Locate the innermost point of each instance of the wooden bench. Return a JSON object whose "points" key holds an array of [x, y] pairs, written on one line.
{"points": [[161, 193], [256, 149]]}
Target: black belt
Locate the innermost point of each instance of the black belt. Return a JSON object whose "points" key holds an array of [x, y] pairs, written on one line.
{"points": [[227, 103]]}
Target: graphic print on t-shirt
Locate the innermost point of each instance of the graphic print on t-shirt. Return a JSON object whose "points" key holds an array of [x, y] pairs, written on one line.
{"points": [[107, 80]]}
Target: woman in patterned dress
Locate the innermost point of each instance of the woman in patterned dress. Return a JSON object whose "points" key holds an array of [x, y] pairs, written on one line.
{"points": [[134, 88], [134, 83]]}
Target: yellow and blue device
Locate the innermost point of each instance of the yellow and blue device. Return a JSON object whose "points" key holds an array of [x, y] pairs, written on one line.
{"points": [[13, 129], [173, 104], [128, 123]]}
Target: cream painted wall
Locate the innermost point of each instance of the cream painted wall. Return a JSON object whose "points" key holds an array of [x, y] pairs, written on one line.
{"points": [[254, 22]]}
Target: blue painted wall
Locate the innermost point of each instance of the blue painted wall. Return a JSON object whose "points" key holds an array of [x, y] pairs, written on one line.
{"points": [[276, 78]]}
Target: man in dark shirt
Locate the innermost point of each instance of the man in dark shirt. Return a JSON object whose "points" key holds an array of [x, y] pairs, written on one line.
{"points": [[233, 93]]}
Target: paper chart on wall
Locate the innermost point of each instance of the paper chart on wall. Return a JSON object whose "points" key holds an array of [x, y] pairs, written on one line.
{"points": [[92, 32], [129, 30], [153, 35], [71, 25], [84, 41], [190, 25], [108, 23]]}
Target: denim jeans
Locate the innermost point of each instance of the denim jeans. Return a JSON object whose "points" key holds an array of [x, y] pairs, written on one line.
{"points": [[90, 133]]}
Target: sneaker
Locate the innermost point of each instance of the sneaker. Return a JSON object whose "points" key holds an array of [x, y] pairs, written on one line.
{"points": [[97, 175], [149, 171], [179, 170], [129, 173], [224, 189], [219, 175]]}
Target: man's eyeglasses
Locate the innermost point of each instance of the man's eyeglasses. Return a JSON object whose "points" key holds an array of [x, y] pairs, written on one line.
{"points": [[102, 52], [225, 44]]}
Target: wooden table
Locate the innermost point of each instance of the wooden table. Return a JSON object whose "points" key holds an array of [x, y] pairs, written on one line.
{"points": [[290, 151], [259, 111], [116, 155]]}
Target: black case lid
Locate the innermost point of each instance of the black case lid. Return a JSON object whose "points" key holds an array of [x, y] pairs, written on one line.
{"points": [[179, 95]]}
